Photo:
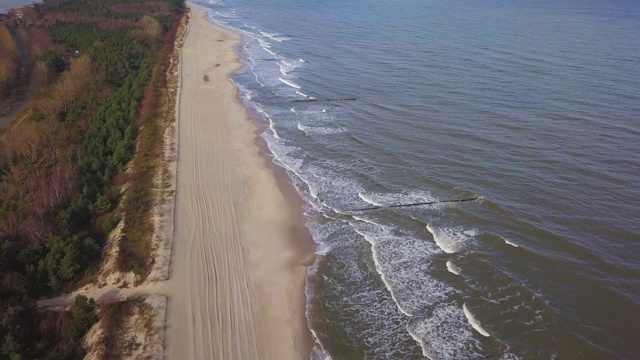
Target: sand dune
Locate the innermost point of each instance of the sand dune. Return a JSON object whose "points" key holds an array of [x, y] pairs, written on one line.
{"points": [[237, 271]]}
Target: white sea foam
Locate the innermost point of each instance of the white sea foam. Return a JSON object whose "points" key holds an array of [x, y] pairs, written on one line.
{"points": [[334, 191], [287, 66], [248, 94], [318, 353], [509, 356], [380, 271], [452, 240], [268, 117], [285, 157], [320, 130], [321, 232], [290, 83], [474, 322], [384, 326], [273, 130], [452, 268], [266, 46], [274, 36], [445, 334], [366, 197], [403, 262], [403, 258], [510, 243], [251, 67], [386, 199], [231, 15], [323, 249]]}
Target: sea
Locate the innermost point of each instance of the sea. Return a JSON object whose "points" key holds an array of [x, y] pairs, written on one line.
{"points": [[511, 132], [6, 5]]}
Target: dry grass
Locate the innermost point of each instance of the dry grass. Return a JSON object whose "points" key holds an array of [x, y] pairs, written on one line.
{"points": [[128, 330], [113, 320], [158, 111]]}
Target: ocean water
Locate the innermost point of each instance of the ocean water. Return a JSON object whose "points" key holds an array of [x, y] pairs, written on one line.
{"points": [[6, 5], [532, 107]]}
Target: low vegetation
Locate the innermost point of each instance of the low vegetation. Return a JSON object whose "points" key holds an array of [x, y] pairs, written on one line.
{"points": [[114, 317], [127, 330], [157, 112]]}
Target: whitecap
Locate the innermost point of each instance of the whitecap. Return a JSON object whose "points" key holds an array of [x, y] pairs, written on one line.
{"points": [[474, 322], [320, 130], [266, 46], [451, 240], [288, 66], [226, 16], [391, 199], [510, 243], [452, 268], [290, 83], [272, 126], [274, 36], [445, 334], [366, 197]]}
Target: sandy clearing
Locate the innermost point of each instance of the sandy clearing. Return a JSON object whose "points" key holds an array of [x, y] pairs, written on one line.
{"points": [[237, 273]]}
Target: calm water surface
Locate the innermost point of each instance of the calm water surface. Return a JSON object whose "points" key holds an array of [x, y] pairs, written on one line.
{"points": [[531, 106], [10, 4]]}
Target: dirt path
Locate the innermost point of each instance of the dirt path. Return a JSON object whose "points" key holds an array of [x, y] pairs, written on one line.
{"points": [[109, 293]]}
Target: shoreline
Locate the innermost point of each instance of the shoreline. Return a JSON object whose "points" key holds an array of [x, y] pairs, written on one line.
{"points": [[241, 249], [303, 239]]}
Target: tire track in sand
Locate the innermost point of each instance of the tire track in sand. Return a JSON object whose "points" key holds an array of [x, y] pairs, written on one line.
{"points": [[216, 310], [210, 312]]}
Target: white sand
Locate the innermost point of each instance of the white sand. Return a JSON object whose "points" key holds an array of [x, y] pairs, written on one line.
{"points": [[237, 272]]}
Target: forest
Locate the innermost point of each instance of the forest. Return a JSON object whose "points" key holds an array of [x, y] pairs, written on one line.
{"points": [[62, 169]]}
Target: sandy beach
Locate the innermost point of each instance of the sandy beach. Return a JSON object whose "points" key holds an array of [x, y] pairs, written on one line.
{"points": [[238, 265]]}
